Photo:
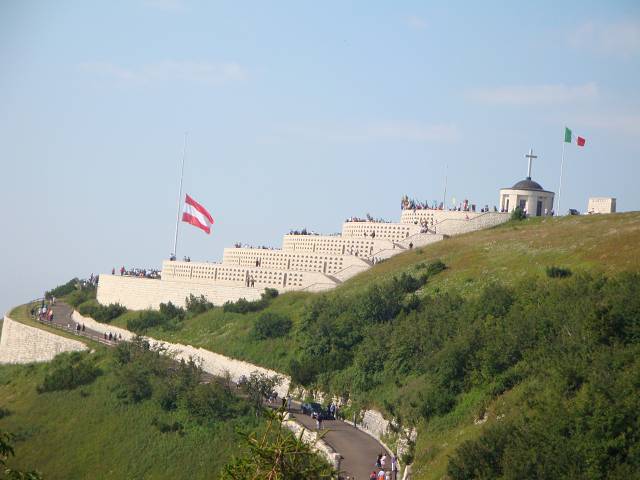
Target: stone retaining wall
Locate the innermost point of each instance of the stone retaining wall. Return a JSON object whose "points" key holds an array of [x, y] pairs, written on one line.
{"points": [[24, 344]]}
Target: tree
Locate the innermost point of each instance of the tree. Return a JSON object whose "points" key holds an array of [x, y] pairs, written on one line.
{"points": [[276, 454], [6, 451], [259, 387]]}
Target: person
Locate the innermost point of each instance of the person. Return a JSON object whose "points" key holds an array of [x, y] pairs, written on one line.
{"points": [[317, 421], [394, 466], [378, 462], [105, 335], [113, 271], [373, 476], [381, 475], [383, 461], [83, 327], [289, 402]]}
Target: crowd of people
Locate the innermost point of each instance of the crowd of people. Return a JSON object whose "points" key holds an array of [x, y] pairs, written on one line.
{"points": [[139, 272], [260, 247], [382, 463], [368, 218], [407, 203], [304, 231]]}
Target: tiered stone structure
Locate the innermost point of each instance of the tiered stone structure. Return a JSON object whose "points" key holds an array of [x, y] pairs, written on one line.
{"points": [[308, 262]]}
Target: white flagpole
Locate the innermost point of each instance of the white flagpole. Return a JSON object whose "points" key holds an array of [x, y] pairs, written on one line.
{"points": [[444, 195], [560, 186], [175, 238]]}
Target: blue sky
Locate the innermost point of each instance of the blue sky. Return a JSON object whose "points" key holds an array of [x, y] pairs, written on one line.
{"points": [[299, 114]]}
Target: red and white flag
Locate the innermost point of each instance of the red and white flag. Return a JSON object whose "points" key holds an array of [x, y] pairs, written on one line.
{"points": [[197, 215]]}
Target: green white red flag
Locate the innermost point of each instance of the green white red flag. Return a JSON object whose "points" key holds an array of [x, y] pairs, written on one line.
{"points": [[569, 137]]}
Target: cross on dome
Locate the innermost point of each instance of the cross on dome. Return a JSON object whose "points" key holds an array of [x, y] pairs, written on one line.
{"points": [[530, 156]]}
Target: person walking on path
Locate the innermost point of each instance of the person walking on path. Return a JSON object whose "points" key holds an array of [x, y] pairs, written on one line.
{"points": [[394, 466]]}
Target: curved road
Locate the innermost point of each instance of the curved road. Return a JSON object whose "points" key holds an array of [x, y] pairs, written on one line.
{"points": [[358, 449]]}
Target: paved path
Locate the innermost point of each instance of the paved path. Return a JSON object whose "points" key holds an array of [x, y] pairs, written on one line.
{"points": [[358, 449]]}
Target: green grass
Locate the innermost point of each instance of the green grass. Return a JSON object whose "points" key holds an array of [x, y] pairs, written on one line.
{"points": [[89, 433]]}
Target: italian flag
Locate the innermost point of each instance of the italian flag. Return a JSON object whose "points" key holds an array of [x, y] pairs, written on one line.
{"points": [[197, 215], [568, 137]]}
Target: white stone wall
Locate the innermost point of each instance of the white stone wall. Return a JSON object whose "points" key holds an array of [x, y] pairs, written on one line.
{"points": [[24, 344], [284, 260], [434, 217], [395, 232], [237, 275], [601, 205], [452, 227], [335, 245], [141, 293]]}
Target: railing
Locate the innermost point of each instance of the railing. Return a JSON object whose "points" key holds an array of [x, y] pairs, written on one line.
{"points": [[79, 333]]}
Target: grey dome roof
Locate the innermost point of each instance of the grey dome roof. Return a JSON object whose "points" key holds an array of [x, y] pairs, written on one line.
{"points": [[527, 184]]}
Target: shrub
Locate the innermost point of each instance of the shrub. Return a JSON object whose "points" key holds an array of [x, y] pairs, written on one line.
{"points": [[269, 293], [81, 295], [271, 325], [146, 319], [64, 289], [165, 427], [242, 305], [101, 313], [558, 272], [68, 371], [197, 305], [171, 312], [210, 401], [518, 214]]}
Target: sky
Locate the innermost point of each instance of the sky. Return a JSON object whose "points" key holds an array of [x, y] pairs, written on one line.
{"points": [[299, 114]]}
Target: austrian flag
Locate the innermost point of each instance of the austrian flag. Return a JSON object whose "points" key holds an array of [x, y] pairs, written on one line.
{"points": [[197, 215]]}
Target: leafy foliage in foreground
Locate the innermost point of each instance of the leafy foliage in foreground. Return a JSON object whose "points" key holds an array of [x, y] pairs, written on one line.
{"points": [[276, 454], [6, 451]]}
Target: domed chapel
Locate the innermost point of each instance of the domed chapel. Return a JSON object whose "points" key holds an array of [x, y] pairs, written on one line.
{"points": [[528, 195]]}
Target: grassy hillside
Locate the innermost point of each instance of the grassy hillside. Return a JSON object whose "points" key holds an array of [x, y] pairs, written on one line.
{"points": [[91, 431], [506, 371]]}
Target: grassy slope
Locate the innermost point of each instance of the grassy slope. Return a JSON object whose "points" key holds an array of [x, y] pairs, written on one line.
{"points": [[507, 253], [70, 434]]}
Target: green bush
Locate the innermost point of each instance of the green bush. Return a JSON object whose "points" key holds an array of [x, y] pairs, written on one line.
{"points": [[81, 295], [168, 317], [101, 313], [271, 325], [558, 272], [244, 306], [197, 305], [518, 214], [68, 371], [62, 290]]}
